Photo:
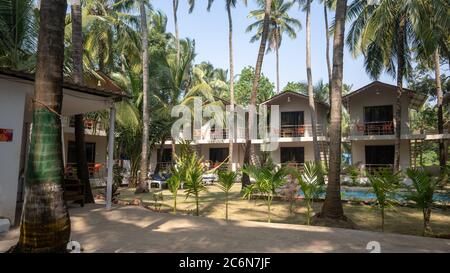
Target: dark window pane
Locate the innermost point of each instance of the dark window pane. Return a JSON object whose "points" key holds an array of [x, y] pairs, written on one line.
{"points": [[378, 113], [166, 156], [380, 155], [292, 118], [218, 154], [72, 152], [293, 155]]}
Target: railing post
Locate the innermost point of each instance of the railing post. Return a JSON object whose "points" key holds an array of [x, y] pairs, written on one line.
{"points": [[112, 119]]}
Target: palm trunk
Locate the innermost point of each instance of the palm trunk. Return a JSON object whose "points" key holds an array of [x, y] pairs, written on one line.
{"points": [[177, 33], [440, 97], [332, 207], [426, 221], [312, 106], [230, 43], [259, 62], [398, 105], [142, 186], [226, 206], [45, 223], [327, 54], [382, 219], [77, 55], [277, 51]]}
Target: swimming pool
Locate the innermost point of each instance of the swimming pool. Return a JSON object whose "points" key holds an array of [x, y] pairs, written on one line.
{"points": [[366, 195]]}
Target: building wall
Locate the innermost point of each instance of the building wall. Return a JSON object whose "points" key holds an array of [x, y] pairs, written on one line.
{"points": [[12, 107], [359, 154], [370, 97]]}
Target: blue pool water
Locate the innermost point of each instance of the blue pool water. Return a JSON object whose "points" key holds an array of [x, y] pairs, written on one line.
{"points": [[366, 195]]}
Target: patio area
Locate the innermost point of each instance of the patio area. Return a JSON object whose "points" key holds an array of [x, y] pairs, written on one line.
{"points": [[135, 229]]}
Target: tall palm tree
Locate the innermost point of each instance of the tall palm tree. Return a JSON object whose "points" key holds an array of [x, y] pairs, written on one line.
{"points": [[258, 67], [229, 4], [382, 32], [77, 76], [312, 106], [328, 4], [175, 4], [45, 223], [143, 187], [280, 23], [332, 207]]}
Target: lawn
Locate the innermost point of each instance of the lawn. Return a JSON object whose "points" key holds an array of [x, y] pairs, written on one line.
{"points": [[402, 220]]}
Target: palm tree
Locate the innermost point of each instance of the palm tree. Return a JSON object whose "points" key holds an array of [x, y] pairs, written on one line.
{"points": [[45, 223], [175, 4], [258, 67], [312, 106], [78, 78], [332, 207], [226, 182], [383, 33], [267, 181], [328, 4], [194, 179], [142, 186], [280, 23], [229, 4]]}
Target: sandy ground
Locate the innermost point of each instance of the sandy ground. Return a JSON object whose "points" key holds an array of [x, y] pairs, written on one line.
{"points": [[135, 229]]}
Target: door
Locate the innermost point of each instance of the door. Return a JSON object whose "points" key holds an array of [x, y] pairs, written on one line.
{"points": [[380, 155], [72, 155], [293, 155]]}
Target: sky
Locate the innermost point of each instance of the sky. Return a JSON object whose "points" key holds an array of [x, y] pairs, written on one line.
{"points": [[210, 31]]}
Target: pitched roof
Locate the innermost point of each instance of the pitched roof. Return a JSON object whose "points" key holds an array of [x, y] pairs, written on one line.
{"points": [[286, 93], [104, 87], [417, 99]]}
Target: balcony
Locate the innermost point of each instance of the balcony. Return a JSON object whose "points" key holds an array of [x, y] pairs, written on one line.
{"points": [[373, 128], [287, 131]]}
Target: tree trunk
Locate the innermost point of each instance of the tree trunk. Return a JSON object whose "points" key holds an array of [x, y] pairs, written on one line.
{"points": [[77, 55], [312, 106], [398, 105], [440, 97], [259, 62], [426, 222], [327, 54], [142, 186], [332, 207], [277, 48], [45, 223], [231, 54], [177, 33]]}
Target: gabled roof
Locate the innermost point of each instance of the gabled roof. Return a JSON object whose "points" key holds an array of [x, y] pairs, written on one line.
{"points": [[292, 93], [417, 99], [104, 88]]}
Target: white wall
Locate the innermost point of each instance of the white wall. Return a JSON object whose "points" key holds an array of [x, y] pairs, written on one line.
{"points": [[12, 106]]}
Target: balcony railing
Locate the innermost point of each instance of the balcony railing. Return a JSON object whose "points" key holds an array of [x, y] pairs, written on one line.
{"points": [[301, 130], [374, 128]]}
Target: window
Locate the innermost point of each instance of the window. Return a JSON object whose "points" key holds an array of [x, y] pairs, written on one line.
{"points": [[293, 155], [292, 119], [218, 154], [380, 155], [378, 113], [72, 152]]}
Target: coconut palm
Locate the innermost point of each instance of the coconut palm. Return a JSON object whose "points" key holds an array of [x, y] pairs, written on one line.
{"points": [[421, 192], [267, 181], [19, 32], [229, 4], [226, 182], [194, 179], [332, 207], [142, 186], [280, 23], [78, 78], [258, 67], [45, 223], [328, 4], [312, 106], [174, 184], [175, 4], [384, 182]]}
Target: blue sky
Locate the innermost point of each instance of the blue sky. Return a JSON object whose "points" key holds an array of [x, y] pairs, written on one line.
{"points": [[210, 31]]}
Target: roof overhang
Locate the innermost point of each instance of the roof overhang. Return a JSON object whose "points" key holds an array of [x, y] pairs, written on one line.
{"points": [[291, 93], [416, 99]]}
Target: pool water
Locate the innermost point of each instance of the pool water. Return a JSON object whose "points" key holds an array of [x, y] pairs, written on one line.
{"points": [[366, 195]]}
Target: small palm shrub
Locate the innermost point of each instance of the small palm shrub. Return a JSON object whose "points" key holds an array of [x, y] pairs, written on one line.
{"points": [[290, 192], [354, 173], [421, 192], [311, 185], [226, 182], [194, 179], [384, 182], [267, 180], [174, 184]]}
